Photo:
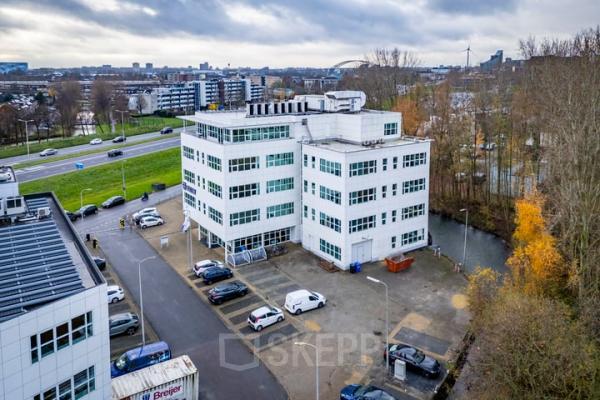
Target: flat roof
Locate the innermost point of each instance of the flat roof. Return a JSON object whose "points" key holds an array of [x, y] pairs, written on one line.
{"points": [[42, 260], [345, 146]]}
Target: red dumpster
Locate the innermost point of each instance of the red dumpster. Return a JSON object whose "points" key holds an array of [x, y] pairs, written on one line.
{"points": [[398, 262]]}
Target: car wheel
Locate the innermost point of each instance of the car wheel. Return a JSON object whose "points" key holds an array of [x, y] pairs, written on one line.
{"points": [[114, 300], [130, 331], [219, 302], [160, 223], [279, 319], [245, 292], [143, 226], [259, 328], [298, 311], [320, 304], [208, 282]]}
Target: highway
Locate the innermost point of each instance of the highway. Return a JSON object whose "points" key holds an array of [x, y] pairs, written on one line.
{"points": [[63, 166], [82, 147]]}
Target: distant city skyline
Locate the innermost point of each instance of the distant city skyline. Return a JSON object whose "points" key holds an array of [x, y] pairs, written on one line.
{"points": [[72, 33]]}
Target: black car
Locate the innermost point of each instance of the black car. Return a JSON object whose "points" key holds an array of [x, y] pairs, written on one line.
{"points": [[364, 392], [86, 210], [415, 359], [115, 153], [166, 130], [100, 263], [227, 291], [214, 274], [119, 139], [113, 201], [72, 215]]}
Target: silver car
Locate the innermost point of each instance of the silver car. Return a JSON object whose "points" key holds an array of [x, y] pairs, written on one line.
{"points": [[123, 323]]}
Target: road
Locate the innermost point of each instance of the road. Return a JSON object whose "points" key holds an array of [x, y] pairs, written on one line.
{"points": [[83, 147], [60, 167], [176, 312]]}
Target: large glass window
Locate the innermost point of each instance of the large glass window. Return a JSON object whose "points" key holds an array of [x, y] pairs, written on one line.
{"points": [[238, 192], [189, 176], [360, 224], [362, 196], [330, 194], [413, 237], [413, 185], [243, 164], [260, 133], [214, 162], [412, 160], [188, 152], [390, 128], [189, 199], [215, 215], [413, 211], [61, 336], [275, 160], [214, 189], [330, 167], [330, 222], [278, 236], [279, 185], [279, 210], [363, 168], [330, 249], [244, 217]]}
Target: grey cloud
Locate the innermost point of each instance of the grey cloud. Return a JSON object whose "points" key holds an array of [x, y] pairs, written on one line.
{"points": [[471, 7]]}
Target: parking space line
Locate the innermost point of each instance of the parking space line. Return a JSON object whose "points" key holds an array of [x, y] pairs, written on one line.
{"points": [[270, 282], [283, 289], [275, 336], [245, 302]]}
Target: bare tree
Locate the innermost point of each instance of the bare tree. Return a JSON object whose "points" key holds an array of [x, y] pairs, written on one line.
{"points": [[68, 97], [101, 101], [141, 103]]}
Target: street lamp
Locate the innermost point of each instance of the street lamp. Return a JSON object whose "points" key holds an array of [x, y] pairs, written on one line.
{"points": [[26, 134], [122, 126], [387, 321], [465, 210], [81, 198], [141, 296], [123, 176], [316, 366]]}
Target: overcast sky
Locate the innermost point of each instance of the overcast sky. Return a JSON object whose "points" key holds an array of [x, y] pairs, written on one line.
{"points": [[276, 33]]}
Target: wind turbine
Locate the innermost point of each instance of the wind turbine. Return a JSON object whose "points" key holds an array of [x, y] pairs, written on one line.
{"points": [[468, 50]]}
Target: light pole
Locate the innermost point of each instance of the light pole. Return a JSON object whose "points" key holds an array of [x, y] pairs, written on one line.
{"points": [[122, 126], [26, 134], [123, 176], [465, 210], [141, 296], [387, 321], [81, 198], [316, 365]]}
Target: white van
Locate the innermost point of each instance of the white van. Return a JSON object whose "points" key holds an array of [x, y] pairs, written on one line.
{"points": [[303, 300]]}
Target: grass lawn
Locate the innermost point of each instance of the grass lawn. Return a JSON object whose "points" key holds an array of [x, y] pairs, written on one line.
{"points": [[143, 125], [105, 180]]}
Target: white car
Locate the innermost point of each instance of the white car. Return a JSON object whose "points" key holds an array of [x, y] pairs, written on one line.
{"points": [[115, 294], [144, 212], [96, 141], [48, 152], [298, 301], [203, 265], [265, 316], [147, 222]]}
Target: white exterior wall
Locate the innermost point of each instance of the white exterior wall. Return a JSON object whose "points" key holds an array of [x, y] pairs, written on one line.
{"points": [[20, 379]]}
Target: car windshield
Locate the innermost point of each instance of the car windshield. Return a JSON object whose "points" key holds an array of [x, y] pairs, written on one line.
{"points": [[419, 356], [122, 362]]}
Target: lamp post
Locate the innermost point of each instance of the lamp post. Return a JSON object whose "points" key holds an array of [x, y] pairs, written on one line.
{"points": [[122, 126], [316, 365], [123, 176], [465, 210], [81, 199], [387, 321], [141, 296], [26, 134]]}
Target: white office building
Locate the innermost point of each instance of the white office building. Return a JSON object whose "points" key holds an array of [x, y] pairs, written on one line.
{"points": [[54, 339], [319, 170]]}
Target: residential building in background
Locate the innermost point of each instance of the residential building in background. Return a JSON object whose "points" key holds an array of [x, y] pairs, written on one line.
{"points": [[494, 62], [8, 67], [53, 305], [149, 66], [135, 65], [319, 170]]}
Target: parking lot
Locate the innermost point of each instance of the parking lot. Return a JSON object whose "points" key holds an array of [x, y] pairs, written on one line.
{"points": [[426, 309]]}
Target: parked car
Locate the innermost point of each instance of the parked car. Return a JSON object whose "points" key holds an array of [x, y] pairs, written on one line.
{"points": [[115, 153], [96, 141], [215, 274], [203, 265], [227, 291], [298, 301], [86, 210], [48, 152], [123, 323], [71, 215], [149, 221], [140, 357], [265, 316], [100, 263], [364, 392], [415, 359], [115, 293], [166, 130], [113, 201], [119, 139], [145, 212]]}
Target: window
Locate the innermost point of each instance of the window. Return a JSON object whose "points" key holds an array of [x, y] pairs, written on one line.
{"points": [[305, 211], [78, 386], [390, 128], [330, 194], [202, 157], [305, 186], [306, 160], [243, 164], [362, 196], [394, 213], [393, 242], [413, 211], [384, 165], [330, 167], [189, 176], [363, 168], [279, 210], [412, 237], [47, 342], [278, 236], [244, 217], [330, 222], [279, 185], [383, 191], [383, 218], [361, 224], [313, 160], [214, 162], [203, 184], [241, 191], [215, 189], [413, 186], [330, 249], [312, 213], [276, 160], [215, 215], [189, 199], [259, 133], [188, 152], [313, 187], [34, 349], [412, 160], [395, 162], [248, 242], [84, 383], [63, 335]]}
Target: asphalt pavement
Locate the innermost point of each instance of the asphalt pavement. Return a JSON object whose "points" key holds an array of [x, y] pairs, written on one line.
{"points": [[177, 314], [63, 166]]}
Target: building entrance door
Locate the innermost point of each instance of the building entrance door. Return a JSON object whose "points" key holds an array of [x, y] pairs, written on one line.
{"points": [[361, 251]]}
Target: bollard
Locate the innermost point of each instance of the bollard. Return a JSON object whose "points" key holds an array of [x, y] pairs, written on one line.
{"points": [[87, 237], [95, 243]]}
